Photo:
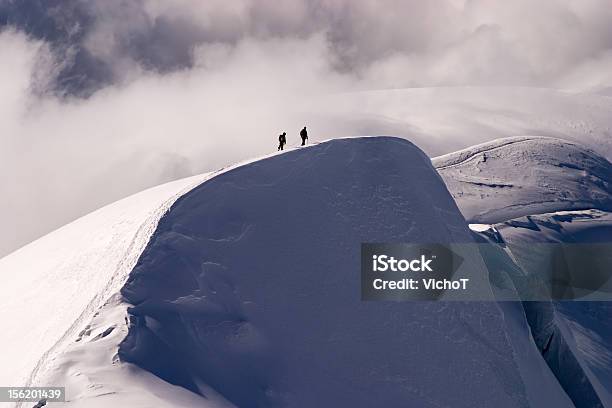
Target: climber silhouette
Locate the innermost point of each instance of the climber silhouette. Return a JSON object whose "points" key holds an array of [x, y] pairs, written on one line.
{"points": [[304, 135], [282, 140]]}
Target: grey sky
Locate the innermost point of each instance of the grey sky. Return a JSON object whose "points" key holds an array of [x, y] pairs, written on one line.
{"points": [[390, 42]]}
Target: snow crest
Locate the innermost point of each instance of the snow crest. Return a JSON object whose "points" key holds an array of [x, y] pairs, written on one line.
{"points": [[53, 286], [250, 285]]}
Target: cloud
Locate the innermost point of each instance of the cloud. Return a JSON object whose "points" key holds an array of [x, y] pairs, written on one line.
{"points": [[388, 43], [106, 97], [62, 157]]}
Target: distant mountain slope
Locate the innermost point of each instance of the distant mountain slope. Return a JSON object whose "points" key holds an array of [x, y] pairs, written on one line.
{"points": [[517, 176]]}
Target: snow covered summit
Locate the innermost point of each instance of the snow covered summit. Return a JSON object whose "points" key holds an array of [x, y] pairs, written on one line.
{"points": [[248, 294], [250, 287]]}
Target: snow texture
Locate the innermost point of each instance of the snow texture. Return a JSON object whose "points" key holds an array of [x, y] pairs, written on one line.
{"points": [[573, 337], [508, 178], [94, 376], [53, 286], [584, 327]]}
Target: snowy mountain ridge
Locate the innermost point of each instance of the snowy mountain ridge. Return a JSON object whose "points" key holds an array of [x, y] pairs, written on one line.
{"points": [[210, 314], [86, 262], [512, 177]]}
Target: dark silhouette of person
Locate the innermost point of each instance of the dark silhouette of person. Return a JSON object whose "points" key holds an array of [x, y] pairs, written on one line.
{"points": [[282, 140], [304, 135]]}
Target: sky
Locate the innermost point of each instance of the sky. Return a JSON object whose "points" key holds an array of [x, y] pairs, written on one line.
{"points": [[103, 98]]}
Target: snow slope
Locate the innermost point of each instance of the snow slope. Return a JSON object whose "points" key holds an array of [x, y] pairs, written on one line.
{"points": [[574, 337], [94, 377], [586, 324], [515, 184], [579, 357], [589, 324], [250, 286], [247, 294], [55, 284], [517, 176]]}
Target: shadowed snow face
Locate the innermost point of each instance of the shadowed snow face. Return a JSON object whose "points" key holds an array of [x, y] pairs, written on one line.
{"points": [[158, 90], [250, 284]]}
